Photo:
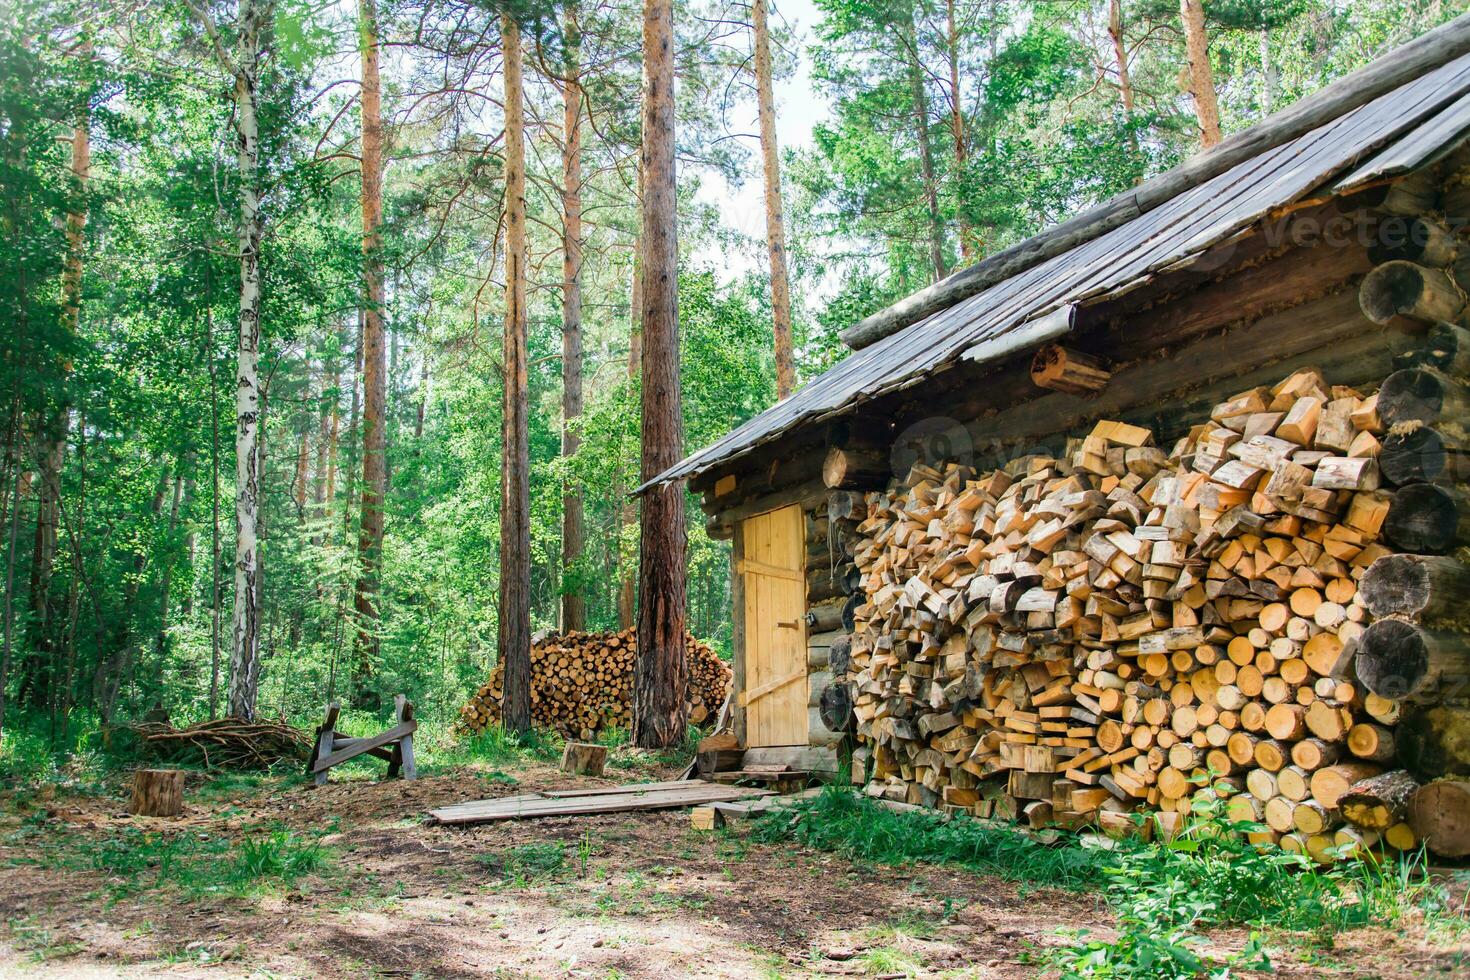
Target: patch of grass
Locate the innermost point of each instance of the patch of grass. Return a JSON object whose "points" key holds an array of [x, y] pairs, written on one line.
{"points": [[495, 746], [911, 924], [527, 863], [858, 828], [1164, 895], [888, 961], [39, 943], [137, 861]]}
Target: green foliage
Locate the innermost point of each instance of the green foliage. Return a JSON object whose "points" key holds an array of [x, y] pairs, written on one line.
{"points": [[858, 828]]}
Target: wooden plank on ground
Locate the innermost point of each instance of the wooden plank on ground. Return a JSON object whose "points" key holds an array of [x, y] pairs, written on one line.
{"points": [[561, 794], [517, 808]]}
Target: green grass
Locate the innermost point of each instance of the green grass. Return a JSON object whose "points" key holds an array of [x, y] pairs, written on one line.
{"points": [[858, 828], [1164, 896], [135, 861], [494, 747], [527, 863]]}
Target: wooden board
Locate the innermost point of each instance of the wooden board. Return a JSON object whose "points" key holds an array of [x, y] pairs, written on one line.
{"points": [[530, 806], [772, 569]]}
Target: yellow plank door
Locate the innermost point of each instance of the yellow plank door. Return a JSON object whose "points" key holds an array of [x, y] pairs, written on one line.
{"points": [[773, 570]]}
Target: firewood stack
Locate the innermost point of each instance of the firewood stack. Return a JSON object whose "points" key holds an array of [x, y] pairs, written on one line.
{"points": [[1068, 640], [582, 683]]}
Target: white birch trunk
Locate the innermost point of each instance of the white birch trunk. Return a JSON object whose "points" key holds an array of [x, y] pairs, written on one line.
{"points": [[245, 632]]}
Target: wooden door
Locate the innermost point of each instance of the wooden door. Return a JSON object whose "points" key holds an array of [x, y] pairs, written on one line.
{"points": [[772, 570]]}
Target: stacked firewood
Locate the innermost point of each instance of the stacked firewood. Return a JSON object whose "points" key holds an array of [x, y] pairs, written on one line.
{"points": [[582, 683], [1067, 640]]}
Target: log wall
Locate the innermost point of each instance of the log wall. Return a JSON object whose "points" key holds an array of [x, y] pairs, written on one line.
{"points": [[1382, 300]]}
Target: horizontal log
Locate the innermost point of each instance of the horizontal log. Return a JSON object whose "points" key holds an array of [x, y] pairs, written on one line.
{"points": [[1440, 816], [1425, 589], [1413, 239], [1398, 291], [1378, 802], [1446, 346], [1428, 519], [1061, 369], [825, 617], [1423, 454], [1434, 740], [1400, 660], [1422, 395], [1170, 393], [856, 469]]}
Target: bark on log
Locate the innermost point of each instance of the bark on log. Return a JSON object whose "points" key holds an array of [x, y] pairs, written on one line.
{"points": [[1440, 816], [1380, 801], [1434, 741], [1405, 290], [583, 758], [1426, 589], [824, 617], [1397, 659], [856, 469], [1422, 395], [1428, 519], [1446, 346], [1413, 239], [1423, 454], [1060, 369], [157, 793]]}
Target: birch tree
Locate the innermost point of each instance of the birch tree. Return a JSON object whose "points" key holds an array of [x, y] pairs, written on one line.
{"points": [[253, 21]]}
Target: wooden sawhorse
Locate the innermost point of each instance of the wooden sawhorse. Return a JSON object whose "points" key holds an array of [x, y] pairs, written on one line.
{"points": [[395, 745]]}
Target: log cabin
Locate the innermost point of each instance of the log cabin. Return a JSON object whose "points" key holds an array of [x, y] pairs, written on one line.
{"points": [[1314, 269]]}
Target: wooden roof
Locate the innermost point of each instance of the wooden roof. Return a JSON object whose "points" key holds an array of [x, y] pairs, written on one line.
{"points": [[1398, 131]]}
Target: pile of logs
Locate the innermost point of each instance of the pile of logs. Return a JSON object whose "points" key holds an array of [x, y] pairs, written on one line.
{"points": [[225, 742], [1067, 640], [582, 683]]}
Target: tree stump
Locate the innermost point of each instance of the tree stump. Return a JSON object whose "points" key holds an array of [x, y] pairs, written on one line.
{"points": [[157, 793], [584, 758]]}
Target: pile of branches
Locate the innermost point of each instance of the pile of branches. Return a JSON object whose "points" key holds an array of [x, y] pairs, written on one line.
{"points": [[231, 743]]}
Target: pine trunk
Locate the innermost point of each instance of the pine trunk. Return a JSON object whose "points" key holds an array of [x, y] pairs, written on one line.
{"points": [[573, 603], [374, 384], [660, 677], [515, 489], [1201, 78], [775, 221]]}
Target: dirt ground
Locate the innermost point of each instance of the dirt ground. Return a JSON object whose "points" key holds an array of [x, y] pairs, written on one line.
{"points": [[637, 895]]}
